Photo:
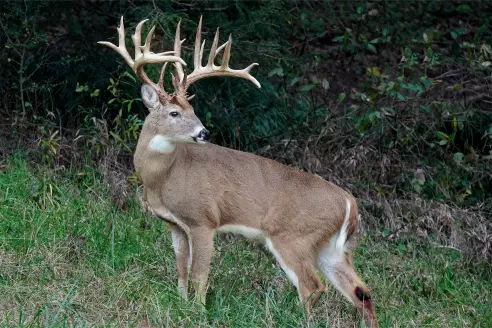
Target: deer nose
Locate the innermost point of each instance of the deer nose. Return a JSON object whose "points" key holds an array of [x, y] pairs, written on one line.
{"points": [[204, 135]]}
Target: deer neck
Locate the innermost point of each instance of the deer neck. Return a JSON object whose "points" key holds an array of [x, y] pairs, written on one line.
{"points": [[154, 150]]}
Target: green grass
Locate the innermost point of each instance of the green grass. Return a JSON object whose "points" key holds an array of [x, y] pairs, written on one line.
{"points": [[68, 258]]}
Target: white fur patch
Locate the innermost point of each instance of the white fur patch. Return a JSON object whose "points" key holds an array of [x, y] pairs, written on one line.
{"points": [[168, 216], [162, 144], [288, 271], [247, 232], [333, 253], [198, 129], [329, 259], [178, 240], [342, 235], [330, 256]]}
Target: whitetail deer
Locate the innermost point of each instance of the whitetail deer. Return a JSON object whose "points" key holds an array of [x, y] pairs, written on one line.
{"points": [[199, 188]]}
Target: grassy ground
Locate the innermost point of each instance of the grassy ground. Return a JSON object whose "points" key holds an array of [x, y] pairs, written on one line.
{"points": [[67, 258]]}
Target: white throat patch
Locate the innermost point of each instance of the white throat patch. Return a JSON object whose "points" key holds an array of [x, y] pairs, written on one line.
{"points": [[162, 144]]}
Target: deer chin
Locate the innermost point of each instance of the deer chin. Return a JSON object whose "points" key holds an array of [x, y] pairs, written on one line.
{"points": [[199, 140], [190, 139], [185, 139], [165, 144]]}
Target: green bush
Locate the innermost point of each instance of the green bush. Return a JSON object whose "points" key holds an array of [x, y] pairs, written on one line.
{"points": [[400, 88]]}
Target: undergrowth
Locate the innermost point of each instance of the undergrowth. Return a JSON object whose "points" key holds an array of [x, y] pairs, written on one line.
{"points": [[398, 92], [70, 257]]}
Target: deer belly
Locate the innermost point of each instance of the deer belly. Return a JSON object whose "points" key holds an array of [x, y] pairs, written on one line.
{"points": [[248, 232]]}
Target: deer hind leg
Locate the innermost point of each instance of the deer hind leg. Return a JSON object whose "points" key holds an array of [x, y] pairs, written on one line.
{"points": [[337, 266], [310, 286], [182, 251], [300, 270], [203, 244]]}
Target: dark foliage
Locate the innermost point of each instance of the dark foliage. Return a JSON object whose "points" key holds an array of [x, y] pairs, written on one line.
{"points": [[391, 99]]}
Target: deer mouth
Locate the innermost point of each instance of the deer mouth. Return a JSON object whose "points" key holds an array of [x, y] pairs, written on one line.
{"points": [[199, 140]]}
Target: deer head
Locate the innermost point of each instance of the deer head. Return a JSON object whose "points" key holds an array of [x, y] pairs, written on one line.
{"points": [[171, 115]]}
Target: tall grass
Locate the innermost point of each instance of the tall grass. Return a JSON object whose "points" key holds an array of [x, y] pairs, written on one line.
{"points": [[69, 258]]}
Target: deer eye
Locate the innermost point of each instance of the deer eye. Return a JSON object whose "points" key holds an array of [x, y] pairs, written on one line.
{"points": [[174, 114]]}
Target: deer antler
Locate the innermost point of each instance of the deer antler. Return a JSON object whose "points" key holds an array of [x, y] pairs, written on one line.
{"points": [[143, 56], [181, 81], [210, 69]]}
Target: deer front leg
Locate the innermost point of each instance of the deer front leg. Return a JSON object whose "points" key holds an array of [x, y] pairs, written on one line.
{"points": [[183, 258], [202, 249]]}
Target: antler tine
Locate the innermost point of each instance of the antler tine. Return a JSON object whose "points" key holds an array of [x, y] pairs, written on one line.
{"points": [[227, 54], [171, 52], [160, 84], [137, 38], [148, 40], [201, 53], [121, 48], [176, 83], [213, 50], [177, 49], [219, 49], [197, 58]]}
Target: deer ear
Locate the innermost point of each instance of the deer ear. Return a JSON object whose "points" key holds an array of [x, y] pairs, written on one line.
{"points": [[149, 97]]}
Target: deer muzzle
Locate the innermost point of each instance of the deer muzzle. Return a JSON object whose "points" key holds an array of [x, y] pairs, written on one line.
{"points": [[203, 135]]}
